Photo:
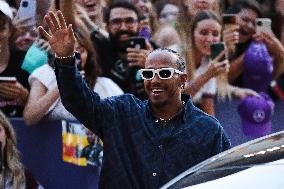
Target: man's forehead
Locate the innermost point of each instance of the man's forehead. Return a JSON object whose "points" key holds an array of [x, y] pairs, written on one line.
{"points": [[161, 59], [121, 12]]}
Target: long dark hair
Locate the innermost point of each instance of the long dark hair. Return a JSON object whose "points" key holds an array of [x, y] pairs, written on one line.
{"points": [[91, 67]]}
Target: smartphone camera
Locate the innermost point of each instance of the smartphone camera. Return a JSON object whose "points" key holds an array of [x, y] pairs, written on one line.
{"points": [[259, 23], [25, 4]]}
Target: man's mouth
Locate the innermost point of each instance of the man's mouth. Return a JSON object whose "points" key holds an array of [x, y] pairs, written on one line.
{"points": [[123, 37], [92, 4], [157, 91]]}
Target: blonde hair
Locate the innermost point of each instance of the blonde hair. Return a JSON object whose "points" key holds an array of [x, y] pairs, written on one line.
{"points": [[11, 158], [223, 90]]}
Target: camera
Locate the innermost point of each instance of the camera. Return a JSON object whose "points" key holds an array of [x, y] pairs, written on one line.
{"points": [[25, 4], [259, 23]]}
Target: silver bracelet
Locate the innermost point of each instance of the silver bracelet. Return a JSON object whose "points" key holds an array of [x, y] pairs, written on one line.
{"points": [[64, 57]]}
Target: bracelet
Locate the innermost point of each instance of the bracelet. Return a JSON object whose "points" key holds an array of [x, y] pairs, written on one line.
{"points": [[64, 57]]}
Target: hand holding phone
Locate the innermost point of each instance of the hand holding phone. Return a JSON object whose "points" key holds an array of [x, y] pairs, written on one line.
{"points": [[263, 25], [134, 42], [218, 63], [5, 84], [137, 56], [27, 10], [230, 34], [10, 88], [216, 49]]}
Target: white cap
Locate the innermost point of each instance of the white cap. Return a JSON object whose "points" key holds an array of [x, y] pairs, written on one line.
{"points": [[5, 8]]}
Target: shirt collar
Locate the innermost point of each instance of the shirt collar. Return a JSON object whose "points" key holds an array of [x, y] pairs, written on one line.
{"points": [[185, 112]]}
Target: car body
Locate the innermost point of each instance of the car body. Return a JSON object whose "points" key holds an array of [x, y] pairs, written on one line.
{"points": [[257, 164]]}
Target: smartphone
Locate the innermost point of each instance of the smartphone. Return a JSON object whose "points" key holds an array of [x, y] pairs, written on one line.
{"points": [[27, 9], [134, 42], [263, 25], [8, 79], [229, 19], [216, 49]]}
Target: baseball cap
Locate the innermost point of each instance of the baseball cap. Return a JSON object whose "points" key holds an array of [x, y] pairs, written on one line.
{"points": [[256, 114], [5, 9], [257, 67]]}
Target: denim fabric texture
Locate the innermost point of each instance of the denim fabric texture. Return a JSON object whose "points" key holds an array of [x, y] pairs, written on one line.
{"points": [[140, 152]]}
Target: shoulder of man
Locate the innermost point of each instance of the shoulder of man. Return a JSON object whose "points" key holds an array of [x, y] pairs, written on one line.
{"points": [[200, 118]]}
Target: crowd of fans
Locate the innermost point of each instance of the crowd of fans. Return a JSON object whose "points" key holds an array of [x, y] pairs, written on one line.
{"points": [[28, 87]]}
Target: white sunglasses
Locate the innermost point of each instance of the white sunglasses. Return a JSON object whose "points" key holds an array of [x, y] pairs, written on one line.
{"points": [[163, 73]]}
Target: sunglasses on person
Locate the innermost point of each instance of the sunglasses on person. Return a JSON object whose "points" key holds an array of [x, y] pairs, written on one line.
{"points": [[163, 73], [117, 22]]}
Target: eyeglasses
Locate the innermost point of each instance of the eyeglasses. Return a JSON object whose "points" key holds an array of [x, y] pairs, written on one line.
{"points": [[117, 22], [163, 73]]}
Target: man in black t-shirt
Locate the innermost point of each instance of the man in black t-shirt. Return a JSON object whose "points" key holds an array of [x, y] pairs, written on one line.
{"points": [[117, 63]]}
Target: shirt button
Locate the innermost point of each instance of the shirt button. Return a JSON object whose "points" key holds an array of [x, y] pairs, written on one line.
{"points": [[154, 174]]}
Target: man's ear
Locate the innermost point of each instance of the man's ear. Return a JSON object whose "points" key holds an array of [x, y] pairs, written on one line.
{"points": [[183, 79]]}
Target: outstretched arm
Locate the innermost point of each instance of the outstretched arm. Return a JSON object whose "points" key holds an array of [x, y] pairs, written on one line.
{"points": [[77, 98], [39, 102]]}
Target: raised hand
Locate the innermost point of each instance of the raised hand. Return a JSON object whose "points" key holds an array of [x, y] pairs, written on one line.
{"points": [[274, 45], [217, 67], [231, 37], [61, 39], [14, 91]]}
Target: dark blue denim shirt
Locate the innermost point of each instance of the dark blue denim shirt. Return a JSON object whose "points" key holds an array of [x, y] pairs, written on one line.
{"points": [[140, 152]]}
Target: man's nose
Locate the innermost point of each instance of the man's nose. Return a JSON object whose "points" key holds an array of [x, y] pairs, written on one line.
{"points": [[156, 78], [251, 25], [123, 26]]}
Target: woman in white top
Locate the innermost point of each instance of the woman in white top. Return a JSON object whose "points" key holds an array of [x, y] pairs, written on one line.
{"points": [[207, 77], [44, 100]]}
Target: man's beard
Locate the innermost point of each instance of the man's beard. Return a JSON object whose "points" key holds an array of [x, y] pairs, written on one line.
{"points": [[119, 45]]}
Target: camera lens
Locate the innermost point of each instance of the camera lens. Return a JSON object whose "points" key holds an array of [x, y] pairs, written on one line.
{"points": [[259, 23], [25, 4]]}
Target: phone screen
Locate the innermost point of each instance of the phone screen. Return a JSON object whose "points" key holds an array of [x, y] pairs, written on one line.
{"points": [[8, 79], [216, 49]]}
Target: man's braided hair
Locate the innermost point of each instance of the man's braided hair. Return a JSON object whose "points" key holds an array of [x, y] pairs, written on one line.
{"points": [[180, 62]]}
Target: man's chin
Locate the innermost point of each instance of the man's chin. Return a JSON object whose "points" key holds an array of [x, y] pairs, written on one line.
{"points": [[158, 103]]}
